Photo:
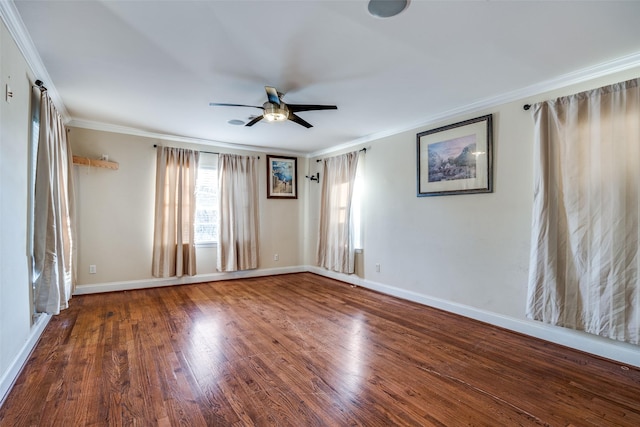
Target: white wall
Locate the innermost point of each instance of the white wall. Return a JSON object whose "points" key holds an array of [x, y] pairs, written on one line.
{"points": [[115, 213], [467, 253], [16, 334], [464, 253], [469, 249]]}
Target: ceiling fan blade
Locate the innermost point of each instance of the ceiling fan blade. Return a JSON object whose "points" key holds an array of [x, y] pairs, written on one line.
{"points": [[216, 104], [305, 107], [272, 95], [254, 121], [299, 121]]}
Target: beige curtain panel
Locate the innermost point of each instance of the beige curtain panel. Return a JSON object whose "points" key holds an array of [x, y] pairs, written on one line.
{"points": [[237, 247], [54, 266], [336, 248], [174, 251], [584, 257]]}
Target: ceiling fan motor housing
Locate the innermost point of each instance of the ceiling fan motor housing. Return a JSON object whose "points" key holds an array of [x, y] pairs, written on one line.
{"points": [[274, 112]]}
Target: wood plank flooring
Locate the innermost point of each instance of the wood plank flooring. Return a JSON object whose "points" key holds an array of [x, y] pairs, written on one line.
{"points": [[302, 350]]}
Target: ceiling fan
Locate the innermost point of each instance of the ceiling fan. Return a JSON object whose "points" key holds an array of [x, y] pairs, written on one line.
{"points": [[275, 109]]}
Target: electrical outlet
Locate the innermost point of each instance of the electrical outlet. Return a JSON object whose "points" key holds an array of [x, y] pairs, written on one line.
{"points": [[92, 269], [377, 268], [276, 257]]}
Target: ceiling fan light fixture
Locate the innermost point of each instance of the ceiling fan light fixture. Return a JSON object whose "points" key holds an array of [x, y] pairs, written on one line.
{"points": [[274, 110], [275, 113]]}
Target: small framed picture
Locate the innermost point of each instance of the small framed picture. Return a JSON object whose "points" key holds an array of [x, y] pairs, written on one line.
{"points": [[282, 177], [456, 159]]}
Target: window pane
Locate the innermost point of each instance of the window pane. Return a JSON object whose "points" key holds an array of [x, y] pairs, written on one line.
{"points": [[206, 205], [356, 206]]}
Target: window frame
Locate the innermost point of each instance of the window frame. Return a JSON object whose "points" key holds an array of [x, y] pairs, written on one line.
{"points": [[210, 165]]}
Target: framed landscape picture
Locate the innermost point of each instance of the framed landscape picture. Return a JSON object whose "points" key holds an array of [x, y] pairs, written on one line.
{"points": [[456, 159], [282, 177]]}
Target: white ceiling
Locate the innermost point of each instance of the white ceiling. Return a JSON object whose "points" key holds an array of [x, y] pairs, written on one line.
{"points": [[154, 66]]}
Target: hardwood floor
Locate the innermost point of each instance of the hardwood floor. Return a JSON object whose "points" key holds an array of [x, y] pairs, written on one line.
{"points": [[302, 350]]}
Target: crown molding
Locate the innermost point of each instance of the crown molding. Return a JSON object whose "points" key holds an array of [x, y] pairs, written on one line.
{"points": [[16, 28], [18, 31], [105, 127], [576, 77], [580, 76]]}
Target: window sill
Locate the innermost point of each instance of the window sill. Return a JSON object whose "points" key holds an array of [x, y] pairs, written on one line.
{"points": [[206, 245]]}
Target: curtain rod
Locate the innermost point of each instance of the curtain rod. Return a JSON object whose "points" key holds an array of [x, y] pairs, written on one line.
{"points": [[40, 85], [201, 151], [362, 149], [526, 107]]}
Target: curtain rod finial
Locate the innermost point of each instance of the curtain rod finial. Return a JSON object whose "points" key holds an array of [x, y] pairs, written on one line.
{"points": [[526, 107], [40, 85]]}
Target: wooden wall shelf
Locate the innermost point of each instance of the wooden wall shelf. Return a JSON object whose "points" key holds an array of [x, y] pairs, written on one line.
{"points": [[85, 161]]}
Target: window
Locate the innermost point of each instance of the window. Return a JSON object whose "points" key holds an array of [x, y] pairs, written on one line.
{"points": [[33, 162], [342, 189], [356, 206], [339, 216], [206, 222]]}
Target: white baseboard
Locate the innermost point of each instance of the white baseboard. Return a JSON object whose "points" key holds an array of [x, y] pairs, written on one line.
{"points": [[621, 352], [11, 374], [618, 351], [184, 280], [614, 350]]}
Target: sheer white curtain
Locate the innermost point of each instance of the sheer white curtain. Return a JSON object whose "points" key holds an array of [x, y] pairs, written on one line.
{"points": [[54, 251], [174, 251], [584, 258], [336, 249], [237, 213]]}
